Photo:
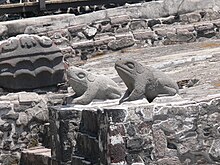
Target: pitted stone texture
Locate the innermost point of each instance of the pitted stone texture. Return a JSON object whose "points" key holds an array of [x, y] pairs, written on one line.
{"points": [[121, 43], [143, 81], [174, 133], [64, 125], [3, 31], [171, 137], [36, 156], [88, 86], [181, 36], [78, 132], [23, 124], [30, 61], [90, 32]]}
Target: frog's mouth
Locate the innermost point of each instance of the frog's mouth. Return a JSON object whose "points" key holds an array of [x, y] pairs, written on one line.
{"points": [[78, 82], [125, 75], [123, 70]]}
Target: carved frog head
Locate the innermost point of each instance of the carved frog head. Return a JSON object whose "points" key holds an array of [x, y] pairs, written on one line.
{"points": [[79, 79], [128, 70]]}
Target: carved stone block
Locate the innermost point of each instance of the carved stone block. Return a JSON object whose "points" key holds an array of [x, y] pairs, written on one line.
{"points": [[30, 61]]}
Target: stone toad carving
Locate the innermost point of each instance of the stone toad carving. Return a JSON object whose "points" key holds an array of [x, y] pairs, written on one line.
{"points": [[89, 86], [30, 61], [143, 81]]}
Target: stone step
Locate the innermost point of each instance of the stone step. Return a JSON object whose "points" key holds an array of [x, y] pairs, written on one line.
{"points": [[36, 156]]}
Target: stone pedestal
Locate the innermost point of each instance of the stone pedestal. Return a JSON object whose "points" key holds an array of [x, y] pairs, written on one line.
{"points": [[64, 126], [77, 131]]}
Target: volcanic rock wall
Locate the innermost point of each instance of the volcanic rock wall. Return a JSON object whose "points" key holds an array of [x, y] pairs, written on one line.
{"points": [[176, 132], [24, 123], [24, 118]]}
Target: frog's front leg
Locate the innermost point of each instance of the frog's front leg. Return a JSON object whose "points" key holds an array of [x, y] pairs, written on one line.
{"points": [[135, 95], [127, 93], [87, 97]]}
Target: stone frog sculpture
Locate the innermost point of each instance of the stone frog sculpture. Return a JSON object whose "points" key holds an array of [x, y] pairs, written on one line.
{"points": [[88, 86], [143, 81]]}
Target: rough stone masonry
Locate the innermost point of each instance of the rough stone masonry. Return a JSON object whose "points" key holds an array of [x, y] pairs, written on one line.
{"points": [[173, 132], [185, 131]]}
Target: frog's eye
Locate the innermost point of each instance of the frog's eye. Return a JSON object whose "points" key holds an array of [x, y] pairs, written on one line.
{"points": [[130, 65], [81, 75]]}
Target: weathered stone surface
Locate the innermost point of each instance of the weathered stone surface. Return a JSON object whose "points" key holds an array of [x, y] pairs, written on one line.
{"points": [[182, 127], [38, 113], [164, 31], [3, 31], [22, 125], [9, 159], [36, 156], [64, 126], [60, 38], [215, 150], [138, 24], [90, 32], [143, 81], [190, 18], [75, 28], [175, 6], [143, 35], [22, 119], [28, 97], [170, 138], [120, 19], [88, 86], [30, 30], [79, 161], [153, 22], [5, 127], [169, 161], [210, 15], [18, 72], [10, 115], [161, 16], [191, 134], [121, 43], [182, 35], [203, 27]]}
